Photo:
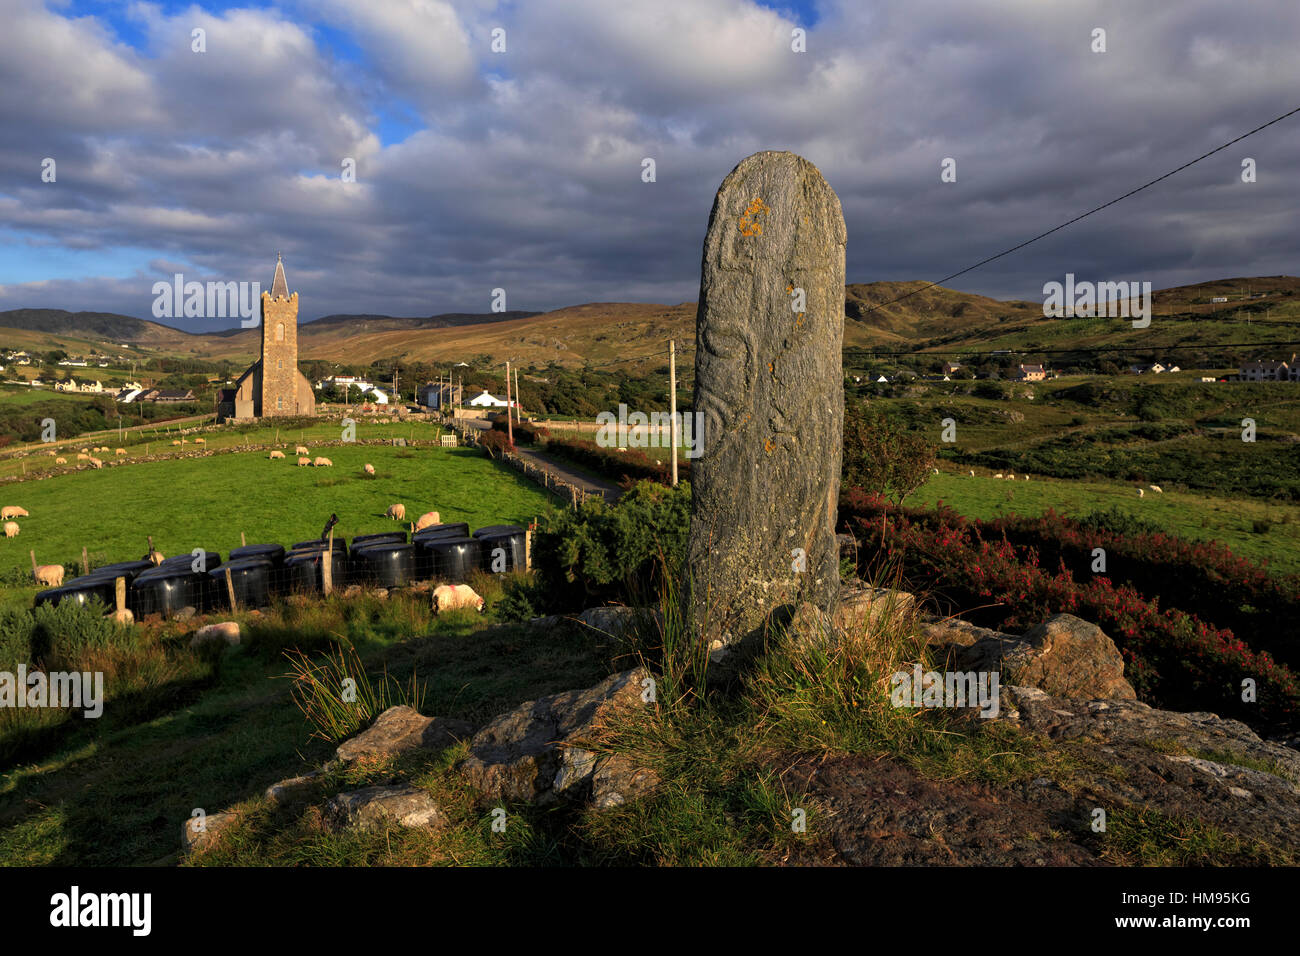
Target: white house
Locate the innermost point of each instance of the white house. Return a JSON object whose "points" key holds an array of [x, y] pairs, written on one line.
{"points": [[488, 400]]}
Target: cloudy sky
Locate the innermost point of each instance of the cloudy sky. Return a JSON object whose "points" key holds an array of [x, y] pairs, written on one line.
{"points": [[522, 170]]}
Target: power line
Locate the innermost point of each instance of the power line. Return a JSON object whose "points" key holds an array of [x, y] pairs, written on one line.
{"points": [[1085, 215], [1090, 349]]}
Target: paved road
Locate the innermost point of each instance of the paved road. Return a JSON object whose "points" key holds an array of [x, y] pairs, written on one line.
{"points": [[592, 486]]}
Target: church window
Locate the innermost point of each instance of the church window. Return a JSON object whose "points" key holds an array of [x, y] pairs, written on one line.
{"points": [[279, 364], [279, 331], [279, 402]]}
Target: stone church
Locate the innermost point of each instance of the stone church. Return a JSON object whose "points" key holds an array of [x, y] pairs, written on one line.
{"points": [[272, 385]]}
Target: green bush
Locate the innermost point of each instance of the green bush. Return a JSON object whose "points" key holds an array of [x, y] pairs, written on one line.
{"points": [[15, 637], [62, 633], [601, 553]]}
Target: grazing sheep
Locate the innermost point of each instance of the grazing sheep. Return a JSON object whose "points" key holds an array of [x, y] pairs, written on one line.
{"points": [[426, 520], [96, 463], [60, 461], [396, 512], [1026, 477], [51, 453], [154, 557], [176, 441], [13, 511], [227, 631], [120, 451], [85, 451], [304, 462], [1141, 493], [972, 472], [998, 475], [200, 441], [323, 462], [50, 575], [369, 469], [935, 470], [1157, 489], [449, 597], [301, 450], [81, 456], [124, 616], [276, 454], [11, 529]]}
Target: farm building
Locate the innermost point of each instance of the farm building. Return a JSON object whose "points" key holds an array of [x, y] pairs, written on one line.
{"points": [[439, 395], [272, 385], [488, 400], [1029, 373]]}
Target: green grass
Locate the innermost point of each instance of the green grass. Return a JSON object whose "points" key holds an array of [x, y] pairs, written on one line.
{"points": [[207, 502], [1195, 517]]}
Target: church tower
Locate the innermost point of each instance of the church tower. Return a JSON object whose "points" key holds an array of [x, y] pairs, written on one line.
{"points": [[280, 348]]}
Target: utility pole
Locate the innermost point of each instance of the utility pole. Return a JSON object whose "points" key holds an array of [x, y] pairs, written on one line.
{"points": [[672, 403], [510, 431], [518, 408]]}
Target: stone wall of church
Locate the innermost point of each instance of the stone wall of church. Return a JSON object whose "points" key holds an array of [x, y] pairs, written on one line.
{"points": [[279, 355]]}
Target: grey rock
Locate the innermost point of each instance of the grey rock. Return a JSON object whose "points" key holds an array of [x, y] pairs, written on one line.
{"points": [[373, 808], [292, 789], [768, 383], [200, 833], [400, 730], [537, 751], [1065, 656]]}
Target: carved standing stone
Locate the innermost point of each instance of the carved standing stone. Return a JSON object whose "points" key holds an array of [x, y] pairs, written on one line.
{"points": [[769, 384]]}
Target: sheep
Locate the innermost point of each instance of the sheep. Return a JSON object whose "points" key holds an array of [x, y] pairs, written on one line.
{"points": [[51, 454], [123, 615], [60, 461], [426, 520], [11, 529], [276, 454], [972, 472], [81, 457], [396, 512], [200, 441], [304, 462], [1141, 493], [369, 469], [154, 557], [50, 575], [120, 451], [998, 475], [301, 450], [1157, 489], [85, 451], [935, 470], [176, 441], [449, 597], [1026, 477], [96, 463], [13, 511], [226, 631], [322, 462]]}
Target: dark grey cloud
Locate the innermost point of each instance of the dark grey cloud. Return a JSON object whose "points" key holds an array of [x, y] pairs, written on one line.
{"points": [[526, 174]]}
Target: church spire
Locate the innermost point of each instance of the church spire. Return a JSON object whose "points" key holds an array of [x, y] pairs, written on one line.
{"points": [[279, 287]]}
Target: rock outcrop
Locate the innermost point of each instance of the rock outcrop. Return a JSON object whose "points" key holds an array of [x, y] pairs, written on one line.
{"points": [[400, 730], [373, 808], [538, 752]]}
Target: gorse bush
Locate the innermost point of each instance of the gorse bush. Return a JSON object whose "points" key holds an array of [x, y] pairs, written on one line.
{"points": [[604, 553]]}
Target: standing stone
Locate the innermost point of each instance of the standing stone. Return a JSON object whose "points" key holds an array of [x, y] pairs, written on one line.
{"points": [[769, 383]]}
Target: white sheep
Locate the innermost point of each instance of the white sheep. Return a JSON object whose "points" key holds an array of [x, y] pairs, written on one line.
{"points": [[11, 529], [276, 454], [935, 470], [85, 451], [176, 441], [998, 475], [200, 441], [301, 450], [396, 512], [120, 451], [304, 462], [322, 462], [60, 461], [369, 469], [1141, 493], [972, 472], [449, 597], [123, 616], [96, 463], [227, 631], [1157, 489], [426, 520], [50, 575], [82, 456], [13, 511]]}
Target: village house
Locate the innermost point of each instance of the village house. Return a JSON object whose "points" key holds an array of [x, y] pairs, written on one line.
{"points": [[439, 395], [950, 367], [1270, 370], [488, 400], [1029, 373]]}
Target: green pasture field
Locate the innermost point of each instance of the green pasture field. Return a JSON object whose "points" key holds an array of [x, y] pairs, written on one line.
{"points": [[1194, 517], [185, 503]]}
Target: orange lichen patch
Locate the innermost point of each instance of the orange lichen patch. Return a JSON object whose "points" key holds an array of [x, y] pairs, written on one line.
{"points": [[789, 288], [749, 226], [767, 446]]}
